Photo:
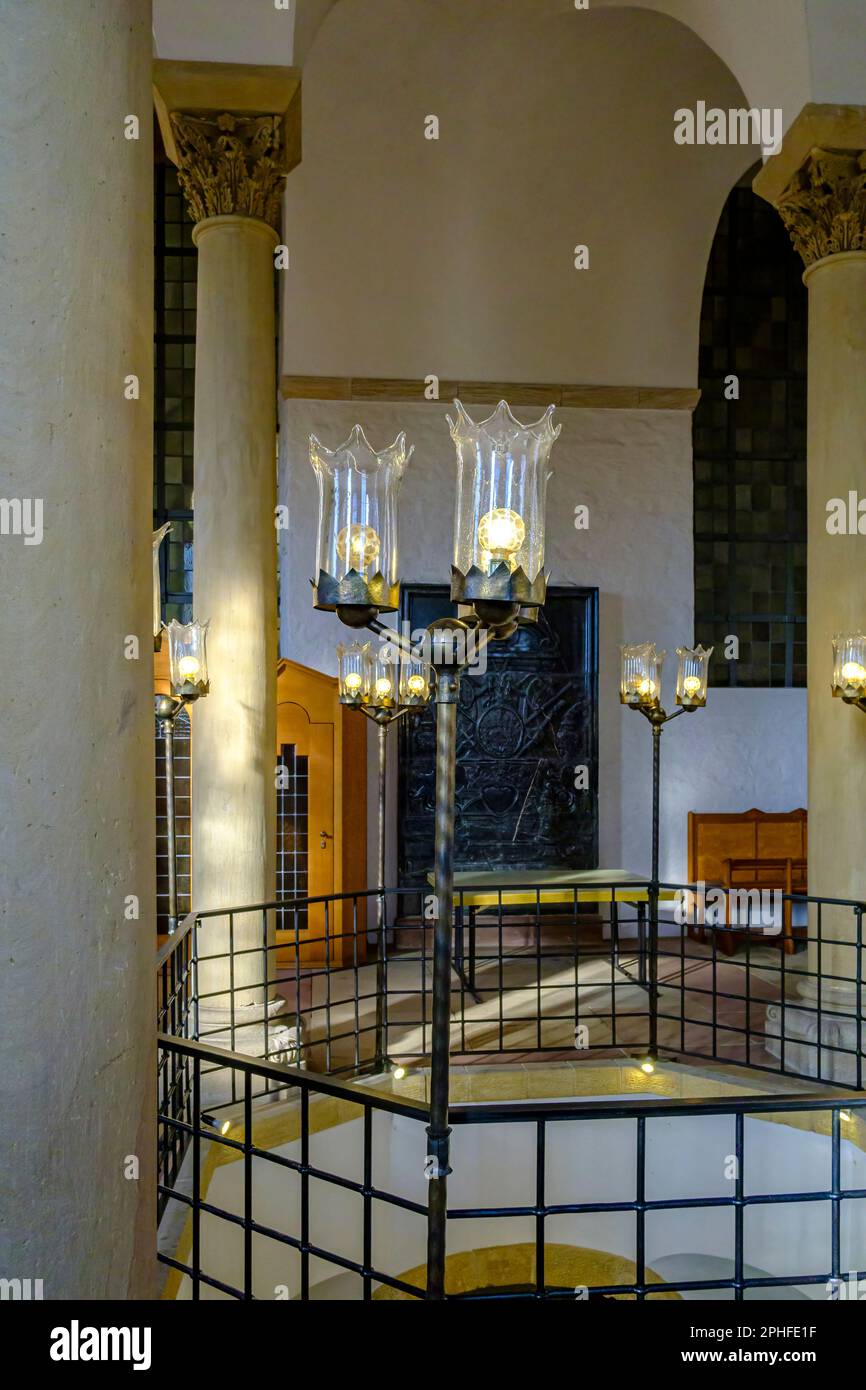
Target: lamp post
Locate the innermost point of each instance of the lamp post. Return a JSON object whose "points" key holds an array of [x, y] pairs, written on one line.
{"points": [[187, 654], [498, 578], [384, 687], [640, 689], [849, 669]]}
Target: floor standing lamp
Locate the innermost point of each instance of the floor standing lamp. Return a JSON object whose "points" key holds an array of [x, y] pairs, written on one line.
{"points": [[187, 655], [384, 686], [497, 578], [640, 688]]}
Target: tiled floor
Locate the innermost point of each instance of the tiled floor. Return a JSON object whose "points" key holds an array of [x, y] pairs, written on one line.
{"points": [[529, 1005]]}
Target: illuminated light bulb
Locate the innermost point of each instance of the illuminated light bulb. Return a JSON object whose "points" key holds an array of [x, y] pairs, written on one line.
{"points": [[188, 667], [501, 533], [854, 673], [383, 687], [353, 683], [647, 1067], [398, 1073], [646, 687], [691, 685], [358, 545], [416, 685]]}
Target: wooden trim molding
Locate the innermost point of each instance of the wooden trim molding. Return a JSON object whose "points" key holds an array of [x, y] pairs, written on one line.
{"points": [[338, 388]]}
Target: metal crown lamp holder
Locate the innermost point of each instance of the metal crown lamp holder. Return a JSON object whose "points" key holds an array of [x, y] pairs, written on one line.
{"points": [[187, 648], [640, 689], [384, 686], [498, 580]]}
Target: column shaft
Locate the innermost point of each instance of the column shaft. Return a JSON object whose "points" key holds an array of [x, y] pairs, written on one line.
{"points": [[234, 727], [77, 853], [836, 599]]}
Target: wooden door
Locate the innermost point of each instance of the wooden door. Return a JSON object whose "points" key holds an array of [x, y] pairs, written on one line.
{"points": [[305, 831], [321, 818]]}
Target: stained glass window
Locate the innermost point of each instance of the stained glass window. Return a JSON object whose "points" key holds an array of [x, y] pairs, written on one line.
{"points": [[750, 452]]}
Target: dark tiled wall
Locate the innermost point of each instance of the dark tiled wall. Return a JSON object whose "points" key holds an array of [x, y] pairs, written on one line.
{"points": [[750, 453]]}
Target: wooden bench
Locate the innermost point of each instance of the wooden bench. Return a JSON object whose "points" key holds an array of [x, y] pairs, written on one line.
{"points": [[749, 850]]}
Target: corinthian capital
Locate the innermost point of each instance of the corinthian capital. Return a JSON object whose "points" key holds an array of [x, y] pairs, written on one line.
{"points": [[233, 131], [817, 181], [824, 206], [231, 164]]}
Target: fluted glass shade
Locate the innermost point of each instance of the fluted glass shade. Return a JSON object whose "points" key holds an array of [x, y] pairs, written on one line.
{"points": [[158, 537], [502, 476], [416, 681], [640, 681], [692, 676], [849, 666], [356, 546], [354, 672], [187, 656], [384, 679]]}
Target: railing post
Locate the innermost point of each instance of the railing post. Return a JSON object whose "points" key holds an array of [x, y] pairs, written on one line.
{"points": [[652, 963], [381, 915], [437, 1169]]}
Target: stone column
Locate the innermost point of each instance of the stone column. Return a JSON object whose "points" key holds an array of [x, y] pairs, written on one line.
{"points": [[77, 853], [232, 160], [818, 184]]}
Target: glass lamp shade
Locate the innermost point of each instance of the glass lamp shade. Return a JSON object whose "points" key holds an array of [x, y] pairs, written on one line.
{"points": [[849, 666], [357, 537], [692, 676], [384, 680], [158, 537], [354, 672], [502, 477], [187, 656], [416, 681], [640, 681]]}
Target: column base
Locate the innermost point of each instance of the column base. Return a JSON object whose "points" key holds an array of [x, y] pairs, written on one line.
{"points": [[811, 1038], [257, 1032]]}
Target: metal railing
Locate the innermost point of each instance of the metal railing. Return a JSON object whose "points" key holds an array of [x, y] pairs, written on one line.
{"points": [[539, 978], [303, 1244], [547, 976]]}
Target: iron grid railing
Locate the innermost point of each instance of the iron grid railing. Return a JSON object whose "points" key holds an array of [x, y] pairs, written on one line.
{"points": [[539, 978], [534, 980], [198, 1133]]}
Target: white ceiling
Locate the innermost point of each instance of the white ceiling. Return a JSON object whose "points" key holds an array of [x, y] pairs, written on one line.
{"points": [[224, 31]]}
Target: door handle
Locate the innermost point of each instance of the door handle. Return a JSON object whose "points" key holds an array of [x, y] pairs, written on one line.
{"points": [[323, 839]]}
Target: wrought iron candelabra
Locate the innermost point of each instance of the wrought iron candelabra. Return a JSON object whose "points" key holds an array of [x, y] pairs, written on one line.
{"points": [[498, 580]]}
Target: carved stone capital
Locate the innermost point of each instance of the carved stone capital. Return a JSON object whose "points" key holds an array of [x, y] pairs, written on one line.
{"points": [[231, 164], [824, 205]]}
